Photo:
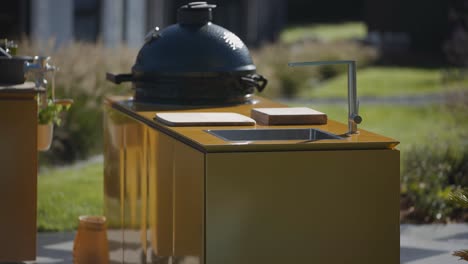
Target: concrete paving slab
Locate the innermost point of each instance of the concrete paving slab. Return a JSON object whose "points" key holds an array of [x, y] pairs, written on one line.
{"points": [[432, 244], [419, 244], [54, 247]]}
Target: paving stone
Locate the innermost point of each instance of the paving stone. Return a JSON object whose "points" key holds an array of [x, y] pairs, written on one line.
{"points": [[419, 244]]}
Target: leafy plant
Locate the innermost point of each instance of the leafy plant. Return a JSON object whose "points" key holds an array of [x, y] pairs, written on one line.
{"points": [[463, 254], [51, 113], [460, 197]]}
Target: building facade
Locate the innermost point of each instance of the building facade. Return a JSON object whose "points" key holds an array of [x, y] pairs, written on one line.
{"points": [[116, 22]]}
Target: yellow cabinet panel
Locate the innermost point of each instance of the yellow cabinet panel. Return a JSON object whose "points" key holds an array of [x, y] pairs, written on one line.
{"points": [[18, 179], [331, 207]]}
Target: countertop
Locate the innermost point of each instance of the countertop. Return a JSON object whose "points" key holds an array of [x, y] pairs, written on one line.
{"points": [[19, 91], [198, 138]]}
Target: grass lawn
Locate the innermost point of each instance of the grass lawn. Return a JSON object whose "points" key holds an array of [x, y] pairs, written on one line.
{"points": [[66, 193], [326, 32], [385, 81]]}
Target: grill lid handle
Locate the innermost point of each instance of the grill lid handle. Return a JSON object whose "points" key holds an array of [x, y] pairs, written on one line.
{"points": [[119, 78], [195, 13], [256, 80]]}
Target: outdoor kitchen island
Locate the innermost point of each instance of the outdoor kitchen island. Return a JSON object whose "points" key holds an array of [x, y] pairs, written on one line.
{"points": [[183, 195]]}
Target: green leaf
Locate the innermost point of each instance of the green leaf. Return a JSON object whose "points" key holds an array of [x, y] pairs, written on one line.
{"points": [[51, 113], [460, 197], [463, 254]]}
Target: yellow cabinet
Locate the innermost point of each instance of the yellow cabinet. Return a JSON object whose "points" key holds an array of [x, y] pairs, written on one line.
{"points": [[181, 195], [302, 206], [18, 173]]}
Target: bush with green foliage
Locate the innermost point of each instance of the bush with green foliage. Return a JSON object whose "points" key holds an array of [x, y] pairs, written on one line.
{"points": [[430, 174]]}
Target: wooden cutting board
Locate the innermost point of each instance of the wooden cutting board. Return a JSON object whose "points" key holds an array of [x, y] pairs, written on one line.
{"points": [[204, 119], [288, 116]]}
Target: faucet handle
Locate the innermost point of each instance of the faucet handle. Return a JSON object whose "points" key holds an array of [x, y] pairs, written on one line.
{"points": [[356, 118]]}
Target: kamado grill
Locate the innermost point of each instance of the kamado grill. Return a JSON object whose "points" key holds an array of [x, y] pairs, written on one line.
{"points": [[197, 170], [193, 62]]}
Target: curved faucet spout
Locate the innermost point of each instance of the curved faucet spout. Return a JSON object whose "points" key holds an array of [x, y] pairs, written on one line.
{"points": [[353, 104]]}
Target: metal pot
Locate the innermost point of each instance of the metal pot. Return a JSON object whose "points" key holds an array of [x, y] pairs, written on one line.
{"points": [[12, 70], [193, 62]]}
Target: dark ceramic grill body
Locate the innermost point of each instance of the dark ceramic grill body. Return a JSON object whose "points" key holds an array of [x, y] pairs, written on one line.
{"points": [[193, 62]]}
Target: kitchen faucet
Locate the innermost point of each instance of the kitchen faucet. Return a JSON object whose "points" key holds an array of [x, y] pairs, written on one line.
{"points": [[353, 104], [40, 67]]}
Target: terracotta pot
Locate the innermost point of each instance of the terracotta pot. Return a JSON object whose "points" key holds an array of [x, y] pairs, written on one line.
{"points": [[44, 136], [91, 245]]}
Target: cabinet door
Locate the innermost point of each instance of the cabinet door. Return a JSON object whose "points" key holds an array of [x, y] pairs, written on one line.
{"points": [[333, 207], [18, 179]]}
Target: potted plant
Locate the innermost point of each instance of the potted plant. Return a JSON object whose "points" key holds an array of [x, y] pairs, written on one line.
{"points": [[46, 118]]}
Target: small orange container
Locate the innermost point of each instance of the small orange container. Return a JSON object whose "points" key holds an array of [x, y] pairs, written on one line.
{"points": [[91, 244]]}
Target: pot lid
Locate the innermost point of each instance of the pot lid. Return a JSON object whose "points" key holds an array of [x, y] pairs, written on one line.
{"points": [[192, 46]]}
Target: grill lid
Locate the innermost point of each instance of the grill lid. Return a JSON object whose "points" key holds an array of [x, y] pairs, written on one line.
{"points": [[194, 45]]}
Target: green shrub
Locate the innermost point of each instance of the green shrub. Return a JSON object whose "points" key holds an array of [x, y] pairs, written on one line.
{"points": [[432, 174], [429, 176]]}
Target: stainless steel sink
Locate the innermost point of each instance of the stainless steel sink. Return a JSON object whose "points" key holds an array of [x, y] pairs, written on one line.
{"points": [[306, 134]]}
